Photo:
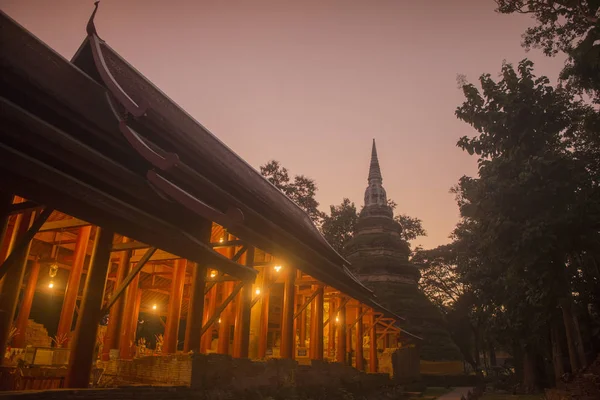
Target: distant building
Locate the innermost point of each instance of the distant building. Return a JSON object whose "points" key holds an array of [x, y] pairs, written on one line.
{"points": [[380, 259]]}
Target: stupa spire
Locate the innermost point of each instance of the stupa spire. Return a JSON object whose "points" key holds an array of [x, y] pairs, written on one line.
{"points": [[374, 170]]}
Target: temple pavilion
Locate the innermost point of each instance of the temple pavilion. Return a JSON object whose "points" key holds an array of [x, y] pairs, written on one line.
{"points": [[118, 202]]}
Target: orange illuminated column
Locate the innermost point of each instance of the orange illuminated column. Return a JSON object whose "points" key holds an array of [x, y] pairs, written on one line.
{"points": [[302, 322], [115, 318], [241, 334], [130, 316], [316, 322], [360, 361], [332, 326], [25, 309], [10, 285], [83, 345], [193, 326], [263, 330], [341, 328], [208, 313], [225, 320], [72, 290], [287, 318], [373, 344], [174, 309]]}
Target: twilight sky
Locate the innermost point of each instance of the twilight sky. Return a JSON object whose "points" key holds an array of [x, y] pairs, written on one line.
{"points": [[311, 82]]}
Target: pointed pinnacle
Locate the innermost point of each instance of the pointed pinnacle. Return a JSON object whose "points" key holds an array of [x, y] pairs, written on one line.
{"points": [[374, 170]]}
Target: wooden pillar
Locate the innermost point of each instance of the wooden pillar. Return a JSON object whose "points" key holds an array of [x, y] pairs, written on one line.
{"points": [[241, 334], [316, 338], [263, 330], [72, 291], [360, 358], [84, 340], [115, 318], [26, 302], [134, 321], [386, 341], [10, 285], [341, 328], [193, 326], [6, 201], [225, 324], [332, 326], [174, 309], [287, 318], [373, 344], [129, 324], [302, 322]]}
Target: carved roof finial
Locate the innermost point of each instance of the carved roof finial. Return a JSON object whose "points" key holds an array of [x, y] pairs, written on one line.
{"points": [[91, 28], [374, 170]]}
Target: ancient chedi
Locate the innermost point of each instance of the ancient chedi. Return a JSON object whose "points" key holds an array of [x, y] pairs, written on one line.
{"points": [[380, 259]]}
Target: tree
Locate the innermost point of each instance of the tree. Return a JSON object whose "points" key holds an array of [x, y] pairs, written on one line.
{"points": [[568, 26], [524, 213], [338, 226], [301, 190], [412, 228]]}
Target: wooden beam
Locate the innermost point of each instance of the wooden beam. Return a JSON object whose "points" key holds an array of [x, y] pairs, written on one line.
{"points": [[121, 289], [229, 243], [360, 317], [306, 303], [18, 208], [24, 241], [222, 307], [63, 224], [133, 245], [158, 255]]}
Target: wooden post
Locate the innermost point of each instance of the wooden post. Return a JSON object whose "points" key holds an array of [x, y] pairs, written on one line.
{"points": [[332, 325], [241, 334], [193, 326], [10, 285], [373, 343], [6, 201], [129, 324], [72, 291], [25, 309], [360, 358], [225, 324], [316, 338], [115, 318], [263, 330], [134, 321], [287, 319], [341, 328], [84, 340], [206, 340], [174, 309], [302, 322]]}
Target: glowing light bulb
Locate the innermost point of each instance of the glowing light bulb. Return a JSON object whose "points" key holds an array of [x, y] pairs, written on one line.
{"points": [[277, 268], [221, 240], [154, 307], [257, 291], [51, 285], [219, 320], [213, 274], [337, 319]]}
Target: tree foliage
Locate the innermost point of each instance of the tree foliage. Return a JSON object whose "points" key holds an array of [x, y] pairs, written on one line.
{"points": [[532, 209], [301, 190], [338, 226], [568, 26]]}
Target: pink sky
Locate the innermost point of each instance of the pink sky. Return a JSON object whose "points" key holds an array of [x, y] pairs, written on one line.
{"points": [[311, 82]]}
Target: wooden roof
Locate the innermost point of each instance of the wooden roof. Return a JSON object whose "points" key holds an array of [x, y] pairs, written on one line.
{"points": [[71, 140]]}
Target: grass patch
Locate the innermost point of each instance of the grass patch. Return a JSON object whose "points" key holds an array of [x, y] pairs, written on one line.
{"points": [[436, 391], [497, 396]]}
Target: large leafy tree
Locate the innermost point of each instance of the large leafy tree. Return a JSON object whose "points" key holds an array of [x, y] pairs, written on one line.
{"points": [[568, 26], [527, 210], [338, 226], [300, 189]]}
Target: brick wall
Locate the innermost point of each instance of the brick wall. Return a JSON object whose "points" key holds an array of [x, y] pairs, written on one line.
{"points": [[173, 370]]}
